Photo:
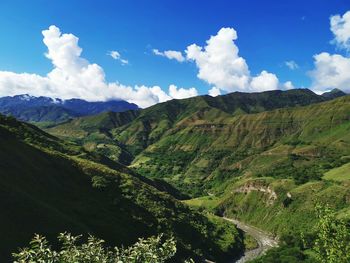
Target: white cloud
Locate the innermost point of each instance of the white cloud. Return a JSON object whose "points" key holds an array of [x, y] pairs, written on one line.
{"points": [[75, 77], [264, 81], [182, 93], [292, 65], [170, 54], [287, 85], [219, 64], [116, 56], [214, 92], [141, 95], [340, 27], [331, 71], [158, 53]]}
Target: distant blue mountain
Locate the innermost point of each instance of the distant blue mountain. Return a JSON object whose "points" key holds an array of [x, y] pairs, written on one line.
{"points": [[84, 108], [45, 109]]}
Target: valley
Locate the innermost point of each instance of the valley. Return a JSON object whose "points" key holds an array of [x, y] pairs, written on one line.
{"points": [[267, 168], [175, 131], [169, 168]]}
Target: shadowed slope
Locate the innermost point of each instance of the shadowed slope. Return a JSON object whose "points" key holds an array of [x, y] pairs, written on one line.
{"points": [[49, 186]]}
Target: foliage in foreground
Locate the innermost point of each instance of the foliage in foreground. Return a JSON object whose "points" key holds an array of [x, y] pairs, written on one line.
{"points": [[332, 244], [151, 250]]}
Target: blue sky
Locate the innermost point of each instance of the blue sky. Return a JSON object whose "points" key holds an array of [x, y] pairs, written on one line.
{"points": [[269, 33]]}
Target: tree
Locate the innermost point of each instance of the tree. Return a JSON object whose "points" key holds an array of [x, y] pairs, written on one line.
{"points": [[332, 244], [151, 250]]}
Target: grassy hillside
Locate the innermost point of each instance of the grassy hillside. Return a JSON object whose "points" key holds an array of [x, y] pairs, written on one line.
{"points": [[94, 133], [156, 122], [341, 173], [123, 140], [280, 206], [201, 154], [50, 186]]}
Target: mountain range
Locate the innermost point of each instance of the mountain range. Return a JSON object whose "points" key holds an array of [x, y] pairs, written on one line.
{"points": [[129, 133], [44, 109]]}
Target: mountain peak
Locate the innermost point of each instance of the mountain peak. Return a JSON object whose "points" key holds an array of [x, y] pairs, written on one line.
{"points": [[24, 97], [334, 93]]}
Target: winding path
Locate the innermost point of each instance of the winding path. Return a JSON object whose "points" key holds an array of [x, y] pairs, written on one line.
{"points": [[264, 240]]}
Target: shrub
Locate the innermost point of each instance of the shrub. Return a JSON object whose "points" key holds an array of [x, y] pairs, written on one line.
{"points": [[332, 244], [151, 250]]}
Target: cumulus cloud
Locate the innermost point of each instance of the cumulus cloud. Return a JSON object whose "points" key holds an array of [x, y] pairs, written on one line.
{"points": [[116, 56], [340, 27], [170, 54], [264, 81], [181, 93], [292, 65], [331, 71], [287, 85], [219, 64], [214, 92], [74, 77]]}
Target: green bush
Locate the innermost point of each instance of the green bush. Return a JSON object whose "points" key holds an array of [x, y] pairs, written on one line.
{"points": [[151, 250], [332, 244]]}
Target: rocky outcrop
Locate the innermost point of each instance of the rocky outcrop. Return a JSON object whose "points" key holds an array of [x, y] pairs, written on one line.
{"points": [[252, 186]]}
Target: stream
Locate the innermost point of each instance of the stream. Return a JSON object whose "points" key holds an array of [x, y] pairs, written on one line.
{"points": [[265, 241]]}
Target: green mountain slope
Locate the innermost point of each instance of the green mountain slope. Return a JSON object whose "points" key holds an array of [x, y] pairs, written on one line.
{"points": [[277, 165], [141, 129], [201, 144], [280, 206], [157, 121], [54, 114], [205, 154], [50, 186]]}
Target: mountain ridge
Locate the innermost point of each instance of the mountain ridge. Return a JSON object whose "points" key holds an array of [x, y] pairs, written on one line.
{"points": [[45, 109], [148, 125]]}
